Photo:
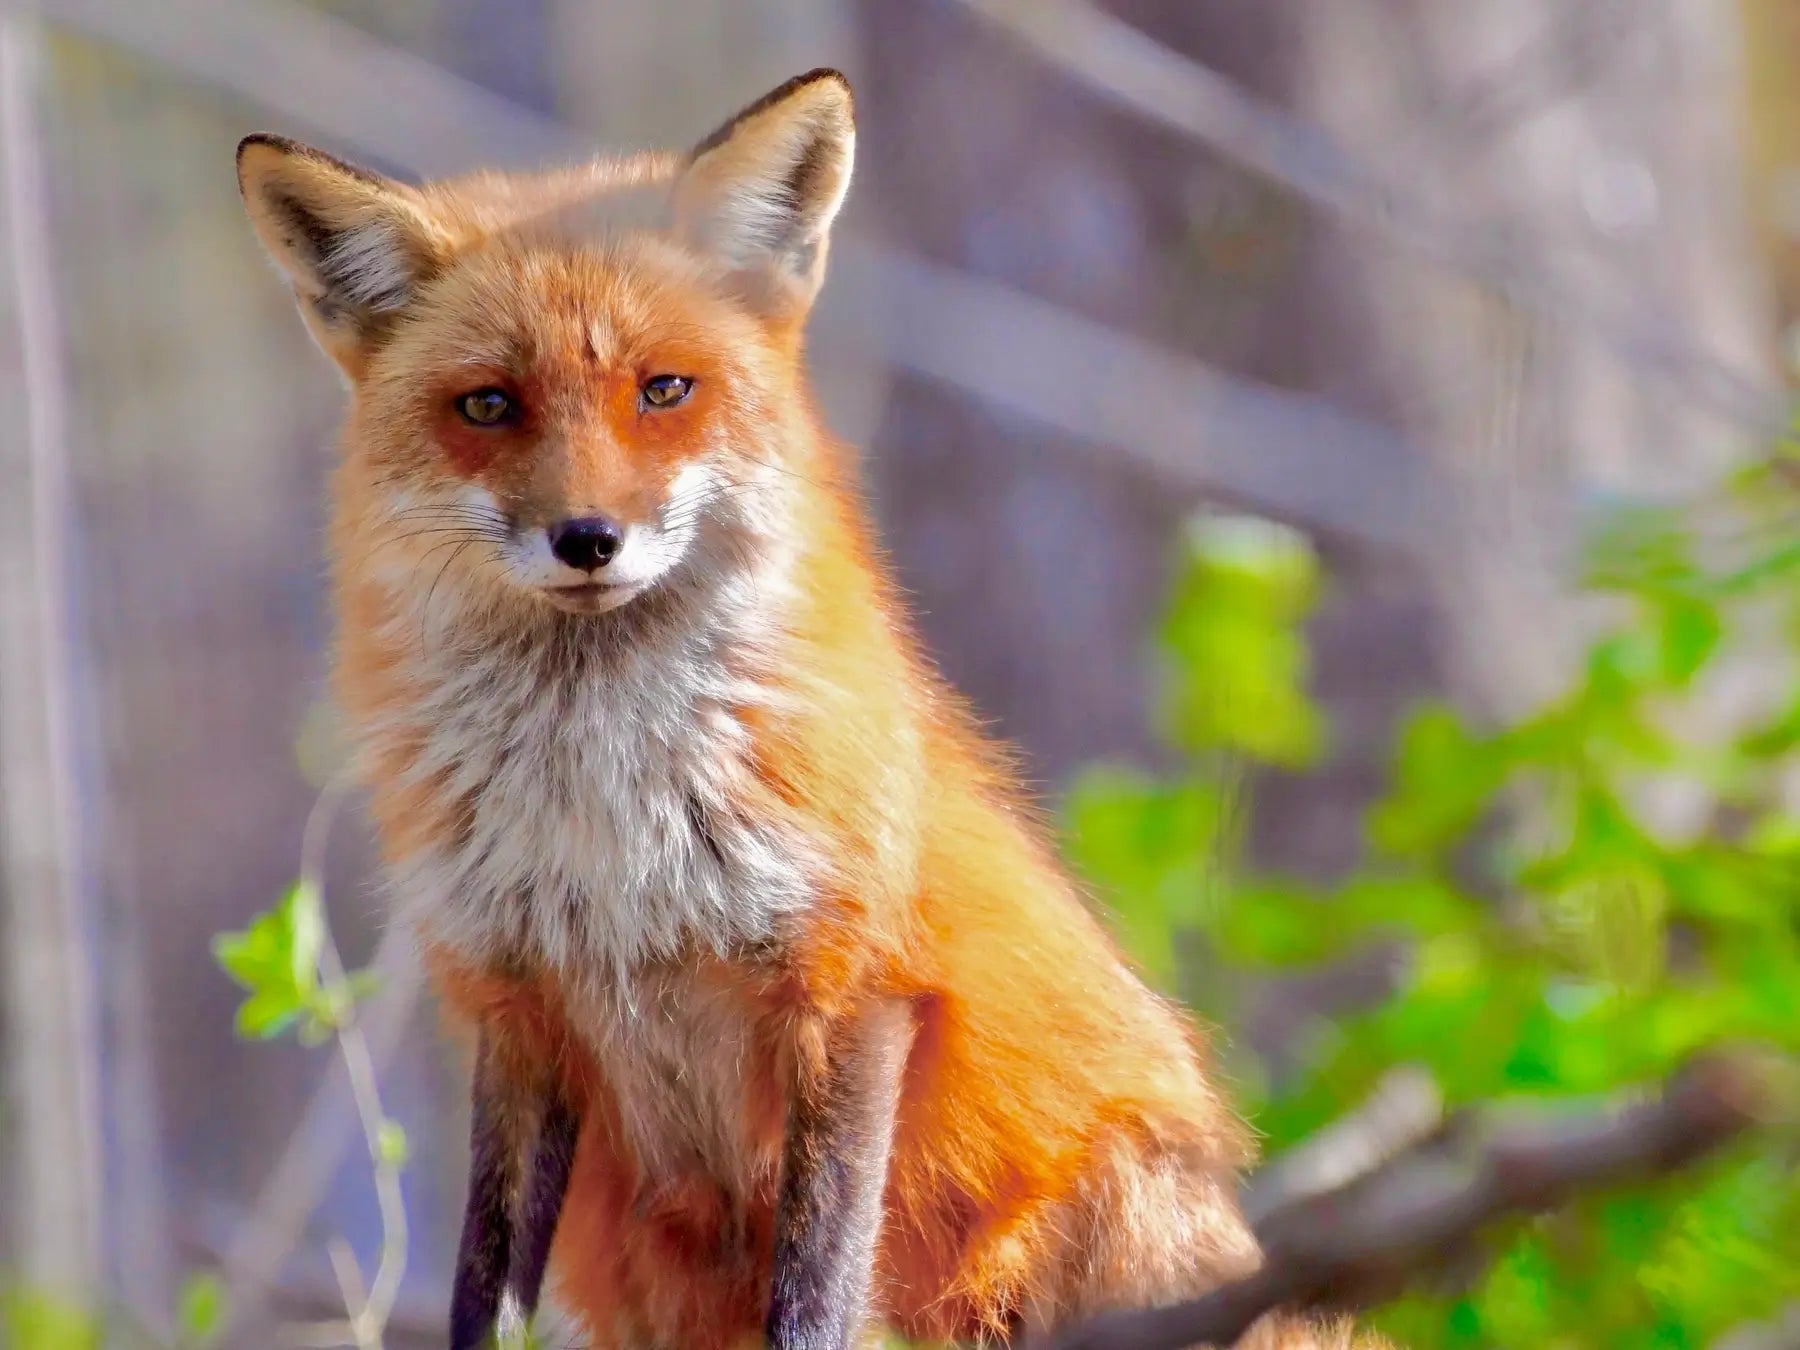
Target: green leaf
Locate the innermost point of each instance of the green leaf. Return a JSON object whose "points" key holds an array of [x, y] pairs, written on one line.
{"points": [[267, 1013], [276, 959], [252, 956], [35, 1320], [1239, 663], [1445, 779], [1640, 549], [239, 958], [1279, 924], [200, 1310], [1778, 736], [1689, 632], [1778, 564], [1379, 903], [1161, 856]]}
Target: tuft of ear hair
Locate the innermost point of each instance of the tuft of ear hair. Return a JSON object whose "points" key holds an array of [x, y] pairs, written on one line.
{"points": [[354, 245], [761, 192]]}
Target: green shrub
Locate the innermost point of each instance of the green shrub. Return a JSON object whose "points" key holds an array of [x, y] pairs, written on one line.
{"points": [[1557, 942]]}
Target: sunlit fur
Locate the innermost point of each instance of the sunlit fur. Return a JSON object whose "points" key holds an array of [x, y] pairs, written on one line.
{"points": [[660, 837]]}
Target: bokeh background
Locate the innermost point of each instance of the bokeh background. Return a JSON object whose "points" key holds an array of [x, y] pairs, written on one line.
{"points": [[1438, 293]]}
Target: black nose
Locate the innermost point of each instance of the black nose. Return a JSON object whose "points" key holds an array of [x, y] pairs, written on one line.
{"points": [[587, 544]]}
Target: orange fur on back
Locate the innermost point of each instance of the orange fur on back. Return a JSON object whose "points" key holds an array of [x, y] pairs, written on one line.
{"points": [[659, 846]]}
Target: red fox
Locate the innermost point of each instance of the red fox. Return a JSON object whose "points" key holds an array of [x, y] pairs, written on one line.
{"points": [[789, 1025]]}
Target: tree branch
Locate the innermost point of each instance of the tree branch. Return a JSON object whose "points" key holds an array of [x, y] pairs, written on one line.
{"points": [[1358, 1244]]}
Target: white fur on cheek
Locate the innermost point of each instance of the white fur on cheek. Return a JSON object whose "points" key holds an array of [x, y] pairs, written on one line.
{"points": [[531, 563], [652, 550]]}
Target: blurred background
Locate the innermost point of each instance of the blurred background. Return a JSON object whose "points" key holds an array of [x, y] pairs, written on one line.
{"points": [[1245, 385]]}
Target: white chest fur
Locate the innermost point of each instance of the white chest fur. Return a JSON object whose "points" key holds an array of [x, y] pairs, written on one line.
{"points": [[596, 785]]}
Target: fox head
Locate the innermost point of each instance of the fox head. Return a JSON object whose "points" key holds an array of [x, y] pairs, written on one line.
{"points": [[566, 387]]}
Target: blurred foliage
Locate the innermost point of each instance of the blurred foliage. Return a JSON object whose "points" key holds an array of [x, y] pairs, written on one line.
{"points": [[200, 1310], [32, 1319], [1558, 937]]}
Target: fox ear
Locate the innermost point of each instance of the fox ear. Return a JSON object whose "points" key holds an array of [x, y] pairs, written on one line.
{"points": [[355, 245], [760, 193]]}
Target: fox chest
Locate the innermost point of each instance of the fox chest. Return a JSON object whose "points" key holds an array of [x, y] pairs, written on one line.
{"points": [[595, 818]]}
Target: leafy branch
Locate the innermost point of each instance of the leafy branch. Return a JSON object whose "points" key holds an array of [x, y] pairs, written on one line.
{"points": [[289, 965]]}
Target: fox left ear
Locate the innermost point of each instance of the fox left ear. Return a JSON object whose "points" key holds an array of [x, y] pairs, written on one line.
{"points": [[760, 193], [355, 246]]}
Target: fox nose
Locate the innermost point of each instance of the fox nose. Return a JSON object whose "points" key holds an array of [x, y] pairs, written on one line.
{"points": [[586, 543]]}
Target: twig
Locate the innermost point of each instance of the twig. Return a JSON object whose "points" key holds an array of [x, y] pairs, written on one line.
{"points": [[367, 1315], [1135, 72], [1405, 1109], [1357, 1245], [299, 1179], [1782, 1332], [350, 1288], [319, 1335]]}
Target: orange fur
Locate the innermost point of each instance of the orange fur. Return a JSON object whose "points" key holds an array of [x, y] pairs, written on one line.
{"points": [[1059, 1148]]}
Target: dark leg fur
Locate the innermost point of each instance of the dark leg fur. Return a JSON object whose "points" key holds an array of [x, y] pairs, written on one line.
{"points": [[834, 1172], [541, 1204], [521, 1152], [485, 1254]]}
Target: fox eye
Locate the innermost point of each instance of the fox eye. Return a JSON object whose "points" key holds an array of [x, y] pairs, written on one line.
{"points": [[486, 407], [665, 391]]}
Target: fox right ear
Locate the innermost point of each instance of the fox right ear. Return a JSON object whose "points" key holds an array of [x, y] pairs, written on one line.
{"points": [[761, 192], [355, 245]]}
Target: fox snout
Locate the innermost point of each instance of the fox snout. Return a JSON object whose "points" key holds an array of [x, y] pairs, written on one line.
{"points": [[585, 543], [593, 554]]}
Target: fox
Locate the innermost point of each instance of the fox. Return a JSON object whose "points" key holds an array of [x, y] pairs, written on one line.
{"points": [[789, 1028]]}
